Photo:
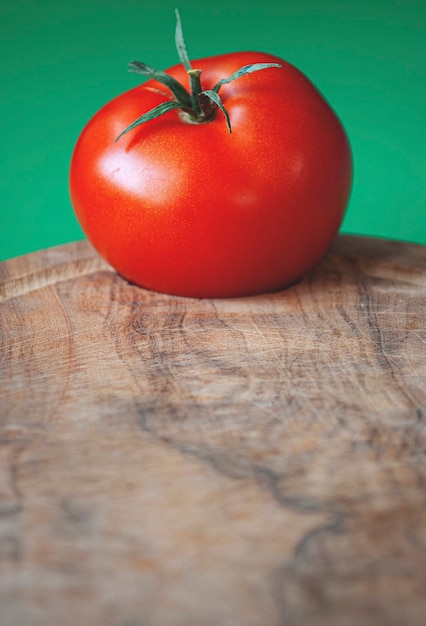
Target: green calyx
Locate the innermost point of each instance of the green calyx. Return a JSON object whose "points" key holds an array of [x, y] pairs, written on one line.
{"points": [[199, 105]]}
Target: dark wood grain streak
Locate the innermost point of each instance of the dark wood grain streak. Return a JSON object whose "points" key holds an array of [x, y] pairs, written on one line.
{"points": [[245, 462]]}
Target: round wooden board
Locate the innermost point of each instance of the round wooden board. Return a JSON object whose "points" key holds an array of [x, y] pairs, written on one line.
{"points": [[245, 462]]}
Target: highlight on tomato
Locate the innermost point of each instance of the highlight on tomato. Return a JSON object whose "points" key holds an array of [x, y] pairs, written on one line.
{"points": [[222, 177]]}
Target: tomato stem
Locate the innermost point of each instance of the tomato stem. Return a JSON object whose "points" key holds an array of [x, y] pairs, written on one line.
{"points": [[200, 105], [196, 89]]}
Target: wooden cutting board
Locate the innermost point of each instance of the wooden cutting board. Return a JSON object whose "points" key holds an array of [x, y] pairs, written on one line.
{"points": [[246, 462]]}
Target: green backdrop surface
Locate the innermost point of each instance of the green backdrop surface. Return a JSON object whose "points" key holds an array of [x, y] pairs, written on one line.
{"points": [[62, 61]]}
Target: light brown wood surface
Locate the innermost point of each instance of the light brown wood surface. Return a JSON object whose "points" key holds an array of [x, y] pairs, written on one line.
{"points": [[246, 462]]}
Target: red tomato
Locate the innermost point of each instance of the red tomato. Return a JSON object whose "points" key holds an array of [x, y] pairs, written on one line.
{"points": [[191, 209]]}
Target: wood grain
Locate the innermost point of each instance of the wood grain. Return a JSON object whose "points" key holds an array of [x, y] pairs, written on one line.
{"points": [[245, 462]]}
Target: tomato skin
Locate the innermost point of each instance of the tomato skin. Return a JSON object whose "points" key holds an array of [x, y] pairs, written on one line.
{"points": [[192, 210]]}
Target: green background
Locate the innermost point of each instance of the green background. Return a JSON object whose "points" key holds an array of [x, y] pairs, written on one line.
{"points": [[61, 61]]}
